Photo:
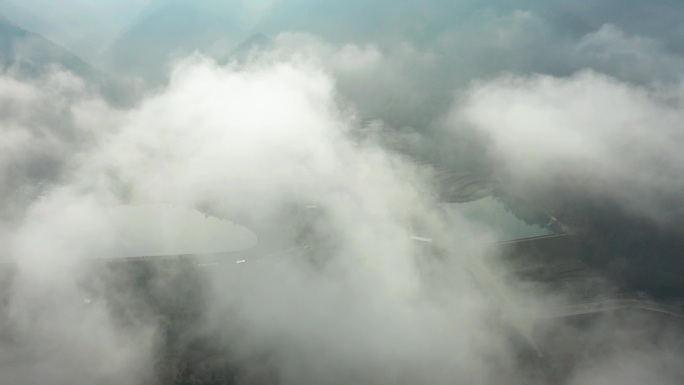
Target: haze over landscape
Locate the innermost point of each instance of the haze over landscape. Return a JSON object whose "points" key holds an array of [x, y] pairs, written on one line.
{"points": [[341, 192]]}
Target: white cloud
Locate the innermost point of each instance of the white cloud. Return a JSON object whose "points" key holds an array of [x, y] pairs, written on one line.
{"points": [[251, 141], [599, 135]]}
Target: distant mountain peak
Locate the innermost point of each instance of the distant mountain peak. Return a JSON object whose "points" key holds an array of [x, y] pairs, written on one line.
{"points": [[30, 53]]}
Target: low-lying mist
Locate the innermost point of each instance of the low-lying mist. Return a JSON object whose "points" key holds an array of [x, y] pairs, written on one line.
{"points": [[271, 146]]}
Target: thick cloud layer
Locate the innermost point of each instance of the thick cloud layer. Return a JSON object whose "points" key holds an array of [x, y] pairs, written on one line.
{"points": [[364, 301], [296, 140], [249, 143]]}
